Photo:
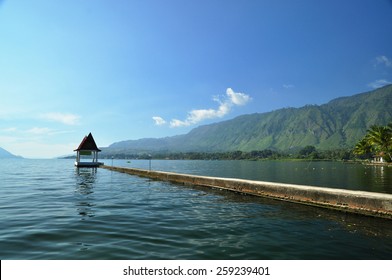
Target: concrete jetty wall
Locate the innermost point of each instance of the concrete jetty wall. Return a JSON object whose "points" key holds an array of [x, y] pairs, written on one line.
{"points": [[366, 203]]}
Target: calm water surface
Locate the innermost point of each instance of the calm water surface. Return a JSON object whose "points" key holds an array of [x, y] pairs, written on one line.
{"points": [[51, 210], [324, 174]]}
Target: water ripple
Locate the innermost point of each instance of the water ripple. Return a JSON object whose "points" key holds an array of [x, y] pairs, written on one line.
{"points": [[50, 210]]}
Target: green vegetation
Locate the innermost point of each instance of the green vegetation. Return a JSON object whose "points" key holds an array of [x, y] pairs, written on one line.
{"points": [[335, 126], [307, 153], [377, 143], [326, 132]]}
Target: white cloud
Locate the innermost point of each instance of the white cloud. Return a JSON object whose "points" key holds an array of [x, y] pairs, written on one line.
{"points": [[35, 130], [65, 118], [4, 140], [237, 98], [379, 83], [159, 120], [9, 129], [36, 148], [39, 130], [382, 59], [288, 86], [178, 123], [195, 116]]}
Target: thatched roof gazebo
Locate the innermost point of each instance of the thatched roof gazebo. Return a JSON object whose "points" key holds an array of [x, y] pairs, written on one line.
{"points": [[88, 148]]}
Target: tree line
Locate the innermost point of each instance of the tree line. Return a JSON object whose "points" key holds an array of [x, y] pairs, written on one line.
{"points": [[306, 153]]}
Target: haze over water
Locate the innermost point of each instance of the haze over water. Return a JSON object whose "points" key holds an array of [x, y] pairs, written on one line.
{"points": [[50, 210]]}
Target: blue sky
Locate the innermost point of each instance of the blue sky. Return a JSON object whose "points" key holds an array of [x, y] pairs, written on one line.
{"points": [[130, 69]]}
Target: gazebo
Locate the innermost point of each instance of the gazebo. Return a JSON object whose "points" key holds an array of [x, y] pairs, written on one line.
{"points": [[89, 148]]}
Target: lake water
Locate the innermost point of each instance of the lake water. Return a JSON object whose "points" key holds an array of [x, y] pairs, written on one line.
{"points": [[51, 210], [319, 173]]}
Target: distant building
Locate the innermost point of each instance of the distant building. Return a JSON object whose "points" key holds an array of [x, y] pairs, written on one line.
{"points": [[379, 158], [87, 149]]}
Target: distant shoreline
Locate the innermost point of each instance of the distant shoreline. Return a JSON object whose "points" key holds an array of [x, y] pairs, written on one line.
{"points": [[389, 164], [363, 162]]}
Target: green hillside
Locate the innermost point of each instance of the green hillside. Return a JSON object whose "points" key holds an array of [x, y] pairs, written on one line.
{"points": [[341, 123]]}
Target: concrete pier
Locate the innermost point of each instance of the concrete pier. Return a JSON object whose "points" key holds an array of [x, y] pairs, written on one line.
{"points": [[360, 202]]}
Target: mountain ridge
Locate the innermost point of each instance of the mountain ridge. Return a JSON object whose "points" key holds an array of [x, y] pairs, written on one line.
{"points": [[339, 123], [5, 154]]}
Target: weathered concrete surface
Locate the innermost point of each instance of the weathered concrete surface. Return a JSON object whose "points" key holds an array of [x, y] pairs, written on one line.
{"points": [[366, 203]]}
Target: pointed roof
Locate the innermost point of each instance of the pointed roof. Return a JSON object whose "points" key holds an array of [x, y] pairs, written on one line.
{"points": [[88, 144]]}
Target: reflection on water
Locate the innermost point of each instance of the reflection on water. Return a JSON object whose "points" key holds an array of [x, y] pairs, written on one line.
{"points": [[278, 210], [84, 190], [324, 174], [50, 210]]}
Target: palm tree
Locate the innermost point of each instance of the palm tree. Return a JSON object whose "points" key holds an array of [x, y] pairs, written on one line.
{"points": [[380, 137], [363, 147], [389, 129]]}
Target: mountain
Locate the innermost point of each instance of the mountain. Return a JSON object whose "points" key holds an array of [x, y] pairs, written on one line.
{"points": [[6, 154], [340, 123]]}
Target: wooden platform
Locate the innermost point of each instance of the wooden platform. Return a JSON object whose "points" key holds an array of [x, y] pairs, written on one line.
{"points": [[88, 164]]}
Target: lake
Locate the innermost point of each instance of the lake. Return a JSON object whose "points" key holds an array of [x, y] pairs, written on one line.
{"points": [[51, 210], [330, 174]]}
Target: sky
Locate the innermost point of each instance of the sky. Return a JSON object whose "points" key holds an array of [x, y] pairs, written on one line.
{"points": [[131, 69]]}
